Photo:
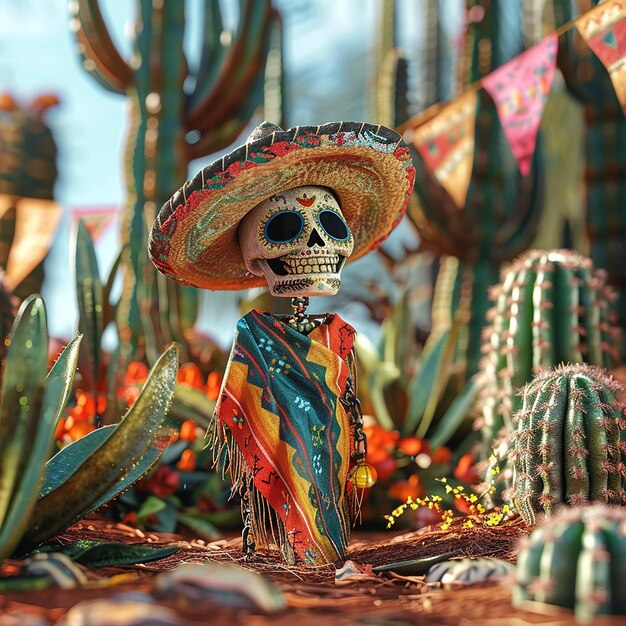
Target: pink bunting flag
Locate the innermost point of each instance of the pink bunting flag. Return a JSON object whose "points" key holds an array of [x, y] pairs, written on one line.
{"points": [[446, 143], [604, 30], [96, 220], [520, 89]]}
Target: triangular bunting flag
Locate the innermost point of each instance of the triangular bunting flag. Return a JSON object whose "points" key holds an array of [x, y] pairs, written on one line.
{"points": [[446, 143], [96, 220], [520, 89], [604, 30]]}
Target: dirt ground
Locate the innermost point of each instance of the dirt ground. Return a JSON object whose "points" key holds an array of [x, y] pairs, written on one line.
{"points": [[313, 597]]}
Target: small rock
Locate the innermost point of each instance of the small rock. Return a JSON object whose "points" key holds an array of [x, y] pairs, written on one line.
{"points": [[469, 571], [222, 584]]}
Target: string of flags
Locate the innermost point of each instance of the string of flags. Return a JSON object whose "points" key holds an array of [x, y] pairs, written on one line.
{"points": [[97, 220], [444, 135]]}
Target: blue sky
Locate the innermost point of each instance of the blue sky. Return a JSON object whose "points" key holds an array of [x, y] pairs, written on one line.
{"points": [[37, 54]]}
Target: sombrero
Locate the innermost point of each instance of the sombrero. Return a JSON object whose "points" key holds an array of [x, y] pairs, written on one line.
{"points": [[368, 168]]}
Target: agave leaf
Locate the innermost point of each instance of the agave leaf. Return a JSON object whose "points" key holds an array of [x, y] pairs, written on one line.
{"points": [[104, 554], [200, 526], [455, 414], [89, 294], [64, 464], [422, 385], [441, 378], [108, 309], [57, 393], [22, 394], [105, 469], [416, 567], [189, 403], [398, 336]]}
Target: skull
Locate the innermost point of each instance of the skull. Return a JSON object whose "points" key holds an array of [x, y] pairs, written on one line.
{"points": [[298, 240]]}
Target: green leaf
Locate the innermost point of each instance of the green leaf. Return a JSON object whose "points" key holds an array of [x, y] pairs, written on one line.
{"points": [[422, 385], [415, 567], [200, 526], [89, 294], [104, 554], [151, 506], [108, 309], [192, 404], [104, 471], [22, 396], [455, 414], [57, 393], [25, 583]]}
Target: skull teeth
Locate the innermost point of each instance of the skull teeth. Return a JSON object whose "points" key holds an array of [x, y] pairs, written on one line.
{"points": [[312, 264]]}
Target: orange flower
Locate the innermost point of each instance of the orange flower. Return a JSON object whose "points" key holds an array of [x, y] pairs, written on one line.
{"points": [[79, 429], [87, 406], [412, 446], [381, 445], [188, 430], [441, 456], [137, 372], [189, 374], [465, 470], [130, 387], [187, 461], [213, 385], [464, 506], [403, 490]]}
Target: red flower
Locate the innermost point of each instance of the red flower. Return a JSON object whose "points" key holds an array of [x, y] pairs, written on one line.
{"points": [[163, 482]]}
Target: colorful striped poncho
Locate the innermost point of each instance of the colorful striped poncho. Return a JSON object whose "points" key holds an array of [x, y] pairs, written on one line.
{"points": [[289, 437]]}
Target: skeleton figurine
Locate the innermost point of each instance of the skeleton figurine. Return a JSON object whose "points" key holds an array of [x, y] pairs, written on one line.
{"points": [[288, 209]]}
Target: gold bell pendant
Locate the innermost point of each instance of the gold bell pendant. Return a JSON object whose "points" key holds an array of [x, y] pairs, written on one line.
{"points": [[363, 475]]}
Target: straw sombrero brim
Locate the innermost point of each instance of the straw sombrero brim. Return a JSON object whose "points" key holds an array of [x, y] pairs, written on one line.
{"points": [[369, 169]]}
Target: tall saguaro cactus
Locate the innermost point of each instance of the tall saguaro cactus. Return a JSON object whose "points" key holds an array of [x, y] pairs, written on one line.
{"points": [[177, 115], [605, 152], [501, 213]]}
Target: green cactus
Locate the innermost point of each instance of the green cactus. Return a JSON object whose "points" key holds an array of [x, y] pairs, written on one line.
{"points": [[604, 153], [502, 210], [176, 115], [551, 307], [567, 445], [576, 560]]}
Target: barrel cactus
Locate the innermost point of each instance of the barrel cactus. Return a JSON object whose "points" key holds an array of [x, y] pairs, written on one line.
{"points": [[550, 307], [568, 445], [576, 560]]}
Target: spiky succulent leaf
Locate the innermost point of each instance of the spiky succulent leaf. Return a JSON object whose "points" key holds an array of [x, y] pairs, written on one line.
{"points": [[90, 309], [56, 395], [22, 395], [107, 466]]}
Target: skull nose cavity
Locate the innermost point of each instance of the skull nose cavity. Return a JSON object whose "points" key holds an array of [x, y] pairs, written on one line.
{"points": [[315, 239]]}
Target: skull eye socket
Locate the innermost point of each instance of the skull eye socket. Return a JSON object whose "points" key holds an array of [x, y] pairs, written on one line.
{"points": [[284, 227], [334, 225]]}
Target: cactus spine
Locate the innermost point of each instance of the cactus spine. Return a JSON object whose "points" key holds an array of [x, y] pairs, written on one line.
{"points": [[576, 560], [567, 446], [551, 307], [176, 116]]}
